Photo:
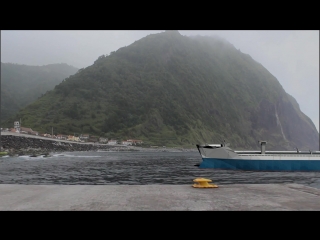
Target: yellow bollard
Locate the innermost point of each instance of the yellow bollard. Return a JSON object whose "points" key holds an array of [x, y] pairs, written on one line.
{"points": [[203, 183]]}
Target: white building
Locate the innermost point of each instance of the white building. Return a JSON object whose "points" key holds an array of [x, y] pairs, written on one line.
{"points": [[112, 142], [126, 143], [103, 140], [16, 126]]}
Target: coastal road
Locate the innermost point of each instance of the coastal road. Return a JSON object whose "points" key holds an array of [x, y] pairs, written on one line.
{"points": [[6, 133]]}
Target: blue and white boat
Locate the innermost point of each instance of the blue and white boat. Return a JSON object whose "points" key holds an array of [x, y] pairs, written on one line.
{"points": [[220, 156]]}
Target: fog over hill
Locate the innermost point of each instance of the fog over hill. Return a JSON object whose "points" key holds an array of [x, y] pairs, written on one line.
{"points": [[169, 89]]}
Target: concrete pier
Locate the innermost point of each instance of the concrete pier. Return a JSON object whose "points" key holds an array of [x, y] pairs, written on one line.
{"points": [[237, 197]]}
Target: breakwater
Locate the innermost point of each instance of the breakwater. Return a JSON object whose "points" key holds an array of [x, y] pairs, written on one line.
{"points": [[20, 145]]}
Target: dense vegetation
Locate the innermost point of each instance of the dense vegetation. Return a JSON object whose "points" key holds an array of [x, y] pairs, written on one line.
{"points": [[168, 89], [22, 84]]}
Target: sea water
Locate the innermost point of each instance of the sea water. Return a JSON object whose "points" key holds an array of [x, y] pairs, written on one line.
{"points": [[133, 168]]}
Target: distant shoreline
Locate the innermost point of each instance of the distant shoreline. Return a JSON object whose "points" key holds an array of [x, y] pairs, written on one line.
{"points": [[24, 144]]}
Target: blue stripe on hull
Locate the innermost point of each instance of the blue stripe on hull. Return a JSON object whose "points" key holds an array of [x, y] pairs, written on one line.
{"points": [[261, 165]]}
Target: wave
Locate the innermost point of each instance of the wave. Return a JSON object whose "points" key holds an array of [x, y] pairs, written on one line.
{"points": [[29, 157], [75, 156]]}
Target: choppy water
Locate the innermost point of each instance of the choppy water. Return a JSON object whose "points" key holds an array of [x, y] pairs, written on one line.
{"points": [[135, 168]]}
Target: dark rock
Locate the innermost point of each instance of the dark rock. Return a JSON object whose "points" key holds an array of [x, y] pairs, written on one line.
{"points": [[33, 146]]}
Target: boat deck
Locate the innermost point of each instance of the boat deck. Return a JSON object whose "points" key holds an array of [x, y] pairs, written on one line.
{"points": [[283, 155]]}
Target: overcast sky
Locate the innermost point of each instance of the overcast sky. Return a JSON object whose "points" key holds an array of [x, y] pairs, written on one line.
{"points": [[291, 56]]}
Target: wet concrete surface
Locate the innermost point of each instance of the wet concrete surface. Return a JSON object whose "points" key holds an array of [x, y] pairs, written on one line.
{"points": [[234, 197]]}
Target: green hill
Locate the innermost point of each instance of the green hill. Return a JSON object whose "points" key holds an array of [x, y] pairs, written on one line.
{"points": [[173, 90], [23, 84]]}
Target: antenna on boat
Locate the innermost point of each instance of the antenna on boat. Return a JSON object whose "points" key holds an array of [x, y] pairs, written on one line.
{"points": [[263, 146], [225, 144]]}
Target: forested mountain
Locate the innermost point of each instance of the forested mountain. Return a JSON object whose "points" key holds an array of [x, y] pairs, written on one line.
{"points": [[173, 90], [23, 84]]}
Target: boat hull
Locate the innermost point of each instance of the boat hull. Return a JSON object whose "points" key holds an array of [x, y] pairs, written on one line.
{"points": [[261, 164], [222, 157]]}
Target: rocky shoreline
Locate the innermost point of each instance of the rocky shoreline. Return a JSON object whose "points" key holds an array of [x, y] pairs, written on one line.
{"points": [[20, 145]]}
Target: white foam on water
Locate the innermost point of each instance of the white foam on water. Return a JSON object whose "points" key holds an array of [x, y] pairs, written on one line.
{"points": [[88, 156], [63, 155], [113, 151], [75, 156], [28, 157]]}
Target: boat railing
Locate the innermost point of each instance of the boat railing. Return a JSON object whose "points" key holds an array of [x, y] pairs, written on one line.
{"points": [[279, 152], [262, 151]]}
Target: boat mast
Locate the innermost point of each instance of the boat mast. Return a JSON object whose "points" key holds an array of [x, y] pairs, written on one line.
{"points": [[263, 146]]}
